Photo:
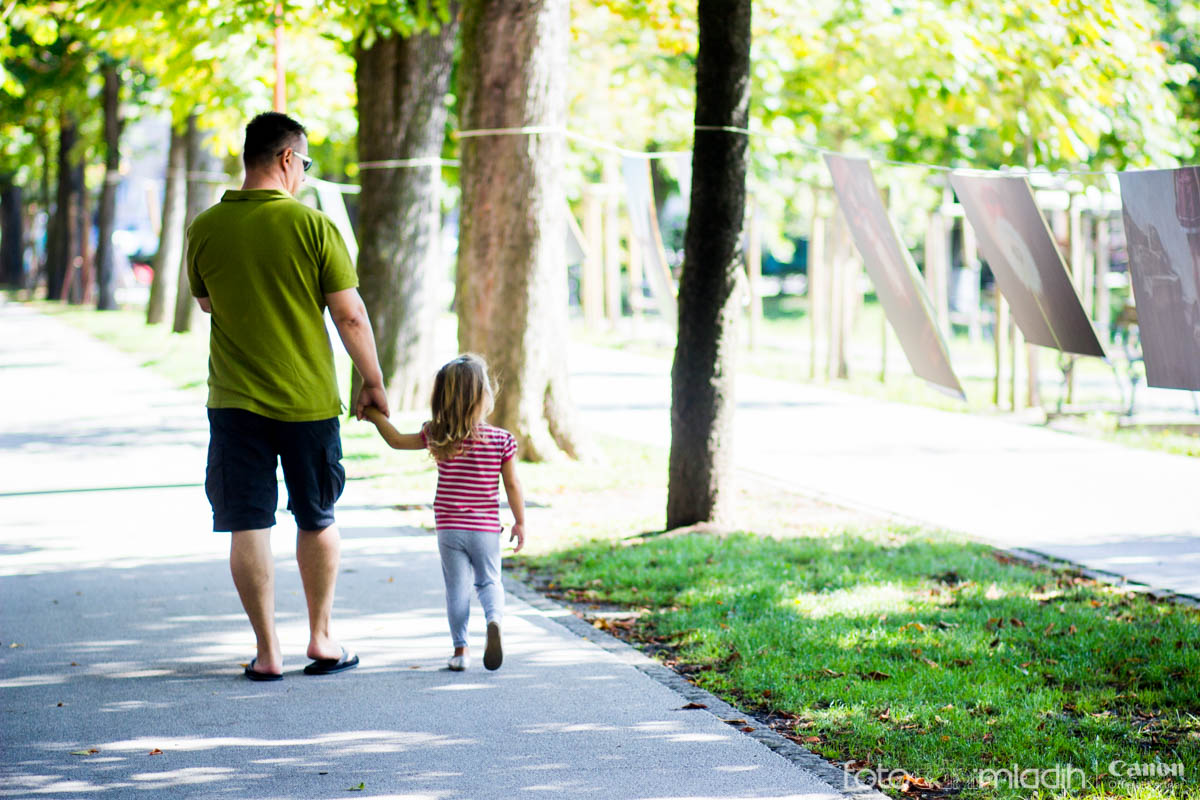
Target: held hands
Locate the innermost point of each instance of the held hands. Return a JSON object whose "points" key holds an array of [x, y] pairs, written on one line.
{"points": [[371, 396], [518, 533]]}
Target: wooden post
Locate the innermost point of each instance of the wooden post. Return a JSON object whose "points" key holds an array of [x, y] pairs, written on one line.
{"points": [[1033, 395], [817, 278], [754, 272], [883, 342], [591, 279], [612, 256], [1103, 262], [1000, 340], [636, 299], [936, 270], [835, 306], [1016, 344], [971, 263]]}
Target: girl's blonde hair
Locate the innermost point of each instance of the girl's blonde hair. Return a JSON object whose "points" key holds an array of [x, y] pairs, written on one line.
{"points": [[462, 397]]}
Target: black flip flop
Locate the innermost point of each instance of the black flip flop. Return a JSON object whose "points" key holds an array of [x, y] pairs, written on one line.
{"points": [[255, 675], [330, 666]]}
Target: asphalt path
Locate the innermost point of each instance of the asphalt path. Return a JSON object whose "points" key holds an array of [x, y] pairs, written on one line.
{"points": [[122, 637]]}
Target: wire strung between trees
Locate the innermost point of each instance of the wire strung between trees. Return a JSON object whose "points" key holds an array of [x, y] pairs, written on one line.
{"points": [[792, 140]]}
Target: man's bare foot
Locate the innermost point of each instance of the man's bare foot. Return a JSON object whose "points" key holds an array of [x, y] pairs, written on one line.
{"points": [[323, 648]]}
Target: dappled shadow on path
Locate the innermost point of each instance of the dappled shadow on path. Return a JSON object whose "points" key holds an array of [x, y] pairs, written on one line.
{"points": [[124, 680]]}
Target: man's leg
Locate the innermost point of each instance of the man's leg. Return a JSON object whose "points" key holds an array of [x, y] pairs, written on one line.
{"points": [[318, 553], [253, 571]]}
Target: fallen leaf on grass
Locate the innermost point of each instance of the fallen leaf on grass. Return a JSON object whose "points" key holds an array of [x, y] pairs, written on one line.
{"points": [[885, 716], [874, 675], [1016, 623], [916, 625], [1072, 630], [962, 662], [812, 739], [156, 752], [832, 673], [912, 783], [88, 752], [691, 706]]}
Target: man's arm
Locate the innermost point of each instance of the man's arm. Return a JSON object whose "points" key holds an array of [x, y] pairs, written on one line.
{"points": [[205, 304], [350, 317]]}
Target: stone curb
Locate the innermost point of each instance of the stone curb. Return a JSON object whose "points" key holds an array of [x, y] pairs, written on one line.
{"points": [[851, 787]]}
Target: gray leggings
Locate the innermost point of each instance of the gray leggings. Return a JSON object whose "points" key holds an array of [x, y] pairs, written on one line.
{"points": [[467, 554]]}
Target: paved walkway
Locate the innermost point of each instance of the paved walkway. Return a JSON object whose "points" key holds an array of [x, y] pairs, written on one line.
{"points": [[122, 634], [1106, 506]]}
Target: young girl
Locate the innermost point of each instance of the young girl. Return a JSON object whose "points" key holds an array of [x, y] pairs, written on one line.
{"points": [[471, 455]]}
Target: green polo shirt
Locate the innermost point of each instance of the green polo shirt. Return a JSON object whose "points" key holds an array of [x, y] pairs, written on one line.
{"points": [[266, 262]]}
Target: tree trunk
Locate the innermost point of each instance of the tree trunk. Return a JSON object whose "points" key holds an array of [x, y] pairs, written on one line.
{"points": [[202, 170], [80, 286], [170, 237], [106, 282], [62, 242], [12, 234], [702, 401], [511, 287], [402, 83]]}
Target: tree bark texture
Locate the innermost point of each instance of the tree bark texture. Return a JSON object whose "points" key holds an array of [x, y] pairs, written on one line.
{"points": [[203, 170], [170, 238], [12, 234], [402, 84], [106, 282], [62, 238], [702, 376], [511, 286]]}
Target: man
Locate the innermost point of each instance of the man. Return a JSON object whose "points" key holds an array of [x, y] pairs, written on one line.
{"points": [[266, 266]]}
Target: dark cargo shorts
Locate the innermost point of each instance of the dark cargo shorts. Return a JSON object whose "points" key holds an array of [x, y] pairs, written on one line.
{"points": [[243, 449]]}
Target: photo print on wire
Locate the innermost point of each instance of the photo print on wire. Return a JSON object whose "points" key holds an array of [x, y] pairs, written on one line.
{"points": [[1029, 269], [898, 285], [1161, 212]]}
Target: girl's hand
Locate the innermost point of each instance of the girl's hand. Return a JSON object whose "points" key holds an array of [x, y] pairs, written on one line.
{"points": [[518, 533]]}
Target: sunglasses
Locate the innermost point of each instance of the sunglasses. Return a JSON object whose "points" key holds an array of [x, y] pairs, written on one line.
{"points": [[305, 161]]}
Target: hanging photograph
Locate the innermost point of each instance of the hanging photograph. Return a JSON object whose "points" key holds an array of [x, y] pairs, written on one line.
{"points": [[1029, 269], [1161, 211], [898, 285]]}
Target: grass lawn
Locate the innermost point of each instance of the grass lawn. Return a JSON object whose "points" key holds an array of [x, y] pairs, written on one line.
{"points": [[879, 646], [889, 648]]}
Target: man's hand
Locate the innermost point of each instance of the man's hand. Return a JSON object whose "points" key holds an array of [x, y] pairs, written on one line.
{"points": [[518, 533], [371, 396]]}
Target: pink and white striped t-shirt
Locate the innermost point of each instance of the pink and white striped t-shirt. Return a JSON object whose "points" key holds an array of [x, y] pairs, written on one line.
{"points": [[467, 497]]}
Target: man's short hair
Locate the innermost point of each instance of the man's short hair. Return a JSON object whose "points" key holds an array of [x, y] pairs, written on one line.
{"points": [[268, 134]]}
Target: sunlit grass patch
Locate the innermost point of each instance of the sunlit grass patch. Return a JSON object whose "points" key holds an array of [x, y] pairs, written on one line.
{"points": [[898, 649]]}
